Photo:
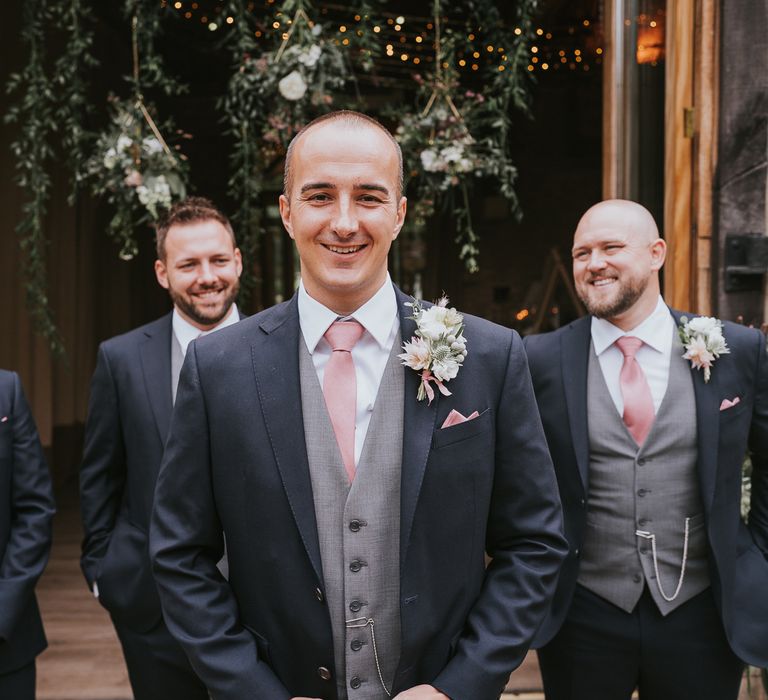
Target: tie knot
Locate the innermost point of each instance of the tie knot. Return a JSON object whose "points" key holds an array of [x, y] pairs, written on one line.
{"points": [[629, 345], [342, 335]]}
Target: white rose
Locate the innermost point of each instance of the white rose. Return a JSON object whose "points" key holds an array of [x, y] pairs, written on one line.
{"points": [[429, 160], [123, 143], [703, 324], [452, 154], [432, 322], [310, 58], [152, 145], [110, 158], [445, 369], [292, 86]]}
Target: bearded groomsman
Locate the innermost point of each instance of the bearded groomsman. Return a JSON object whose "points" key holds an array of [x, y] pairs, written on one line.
{"points": [[356, 516], [648, 427], [26, 511], [132, 394]]}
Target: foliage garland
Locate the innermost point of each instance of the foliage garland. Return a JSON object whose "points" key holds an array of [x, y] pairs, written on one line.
{"points": [[303, 73], [455, 135]]}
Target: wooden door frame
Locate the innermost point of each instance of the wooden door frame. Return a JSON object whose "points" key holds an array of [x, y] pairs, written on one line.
{"points": [[690, 125]]}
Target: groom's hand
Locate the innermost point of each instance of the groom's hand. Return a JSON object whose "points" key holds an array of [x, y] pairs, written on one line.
{"points": [[421, 692]]}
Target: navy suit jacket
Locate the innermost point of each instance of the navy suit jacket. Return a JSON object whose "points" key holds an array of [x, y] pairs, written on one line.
{"points": [[26, 511], [236, 465], [738, 552], [128, 417]]}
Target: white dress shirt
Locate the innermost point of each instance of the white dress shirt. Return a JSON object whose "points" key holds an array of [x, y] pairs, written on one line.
{"points": [[653, 356], [185, 332], [379, 318]]}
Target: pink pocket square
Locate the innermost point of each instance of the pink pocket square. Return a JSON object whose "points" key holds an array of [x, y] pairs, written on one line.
{"points": [[727, 403], [454, 418]]}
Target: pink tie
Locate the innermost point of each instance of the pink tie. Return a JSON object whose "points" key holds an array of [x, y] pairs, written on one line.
{"points": [[638, 402], [340, 388]]}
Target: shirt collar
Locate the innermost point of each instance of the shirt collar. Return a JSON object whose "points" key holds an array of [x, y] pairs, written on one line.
{"points": [[377, 315], [654, 330], [185, 332]]}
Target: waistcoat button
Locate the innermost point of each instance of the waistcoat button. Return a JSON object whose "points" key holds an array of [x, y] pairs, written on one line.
{"points": [[355, 683], [354, 525], [356, 645], [355, 606]]}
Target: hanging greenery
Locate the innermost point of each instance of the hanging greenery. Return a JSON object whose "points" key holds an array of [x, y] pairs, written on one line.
{"points": [[455, 136], [290, 62], [51, 102], [132, 165], [303, 71]]}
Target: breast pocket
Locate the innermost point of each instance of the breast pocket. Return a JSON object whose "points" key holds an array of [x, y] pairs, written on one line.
{"points": [[464, 432]]}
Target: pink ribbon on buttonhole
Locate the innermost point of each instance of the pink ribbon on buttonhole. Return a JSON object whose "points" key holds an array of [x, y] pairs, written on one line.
{"points": [[426, 378]]}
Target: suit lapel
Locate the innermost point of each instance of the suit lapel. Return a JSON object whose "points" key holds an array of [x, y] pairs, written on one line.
{"points": [[418, 426], [155, 353], [275, 359], [707, 426], [574, 357]]}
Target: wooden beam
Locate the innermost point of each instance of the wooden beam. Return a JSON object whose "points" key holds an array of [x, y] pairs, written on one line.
{"points": [[678, 157]]}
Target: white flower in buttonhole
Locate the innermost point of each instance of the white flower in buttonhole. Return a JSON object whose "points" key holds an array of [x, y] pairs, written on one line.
{"points": [[438, 348], [702, 338], [292, 86]]}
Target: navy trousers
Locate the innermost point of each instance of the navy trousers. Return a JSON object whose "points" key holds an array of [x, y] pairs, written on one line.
{"points": [[605, 653]]}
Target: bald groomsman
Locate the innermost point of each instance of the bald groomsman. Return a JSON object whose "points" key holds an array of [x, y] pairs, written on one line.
{"points": [[648, 432]]}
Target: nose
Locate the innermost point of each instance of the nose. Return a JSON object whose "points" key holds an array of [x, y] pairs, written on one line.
{"points": [[345, 221], [206, 274], [596, 261]]}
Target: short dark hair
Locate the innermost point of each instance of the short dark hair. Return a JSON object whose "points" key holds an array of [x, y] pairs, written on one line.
{"points": [[350, 118], [188, 211]]}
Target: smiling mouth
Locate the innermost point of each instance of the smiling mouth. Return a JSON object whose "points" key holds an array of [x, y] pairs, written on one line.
{"points": [[344, 250], [602, 281], [207, 294]]}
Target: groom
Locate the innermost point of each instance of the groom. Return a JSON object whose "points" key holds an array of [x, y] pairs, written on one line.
{"points": [[356, 525]]}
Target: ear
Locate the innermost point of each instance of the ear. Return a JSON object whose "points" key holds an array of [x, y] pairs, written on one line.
{"points": [[161, 272], [402, 207], [238, 261], [658, 253], [285, 214]]}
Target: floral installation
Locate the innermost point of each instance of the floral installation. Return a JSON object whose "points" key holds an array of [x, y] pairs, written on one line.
{"points": [[437, 349], [139, 175], [453, 141], [702, 338]]}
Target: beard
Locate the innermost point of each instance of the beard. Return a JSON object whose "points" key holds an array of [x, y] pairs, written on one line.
{"points": [[205, 314], [624, 299]]}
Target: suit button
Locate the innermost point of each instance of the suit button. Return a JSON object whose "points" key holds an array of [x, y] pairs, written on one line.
{"points": [[355, 683], [637, 578], [324, 673], [582, 502], [355, 606], [576, 553], [356, 565], [319, 595], [356, 645]]}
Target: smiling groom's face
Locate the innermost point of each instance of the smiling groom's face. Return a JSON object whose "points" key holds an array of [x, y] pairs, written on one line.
{"points": [[343, 211]]}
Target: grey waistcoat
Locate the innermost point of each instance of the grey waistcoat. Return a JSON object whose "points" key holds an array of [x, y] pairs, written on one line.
{"points": [[359, 531], [653, 488]]}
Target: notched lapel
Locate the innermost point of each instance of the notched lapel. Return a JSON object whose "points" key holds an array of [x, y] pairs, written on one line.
{"points": [[155, 353], [275, 359], [574, 358], [419, 421], [707, 426]]}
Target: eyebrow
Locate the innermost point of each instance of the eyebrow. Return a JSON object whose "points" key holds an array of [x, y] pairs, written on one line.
{"points": [[329, 186]]}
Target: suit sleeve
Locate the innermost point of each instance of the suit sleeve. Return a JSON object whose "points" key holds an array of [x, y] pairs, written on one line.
{"points": [[758, 445], [186, 542], [103, 470], [32, 509], [524, 539]]}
